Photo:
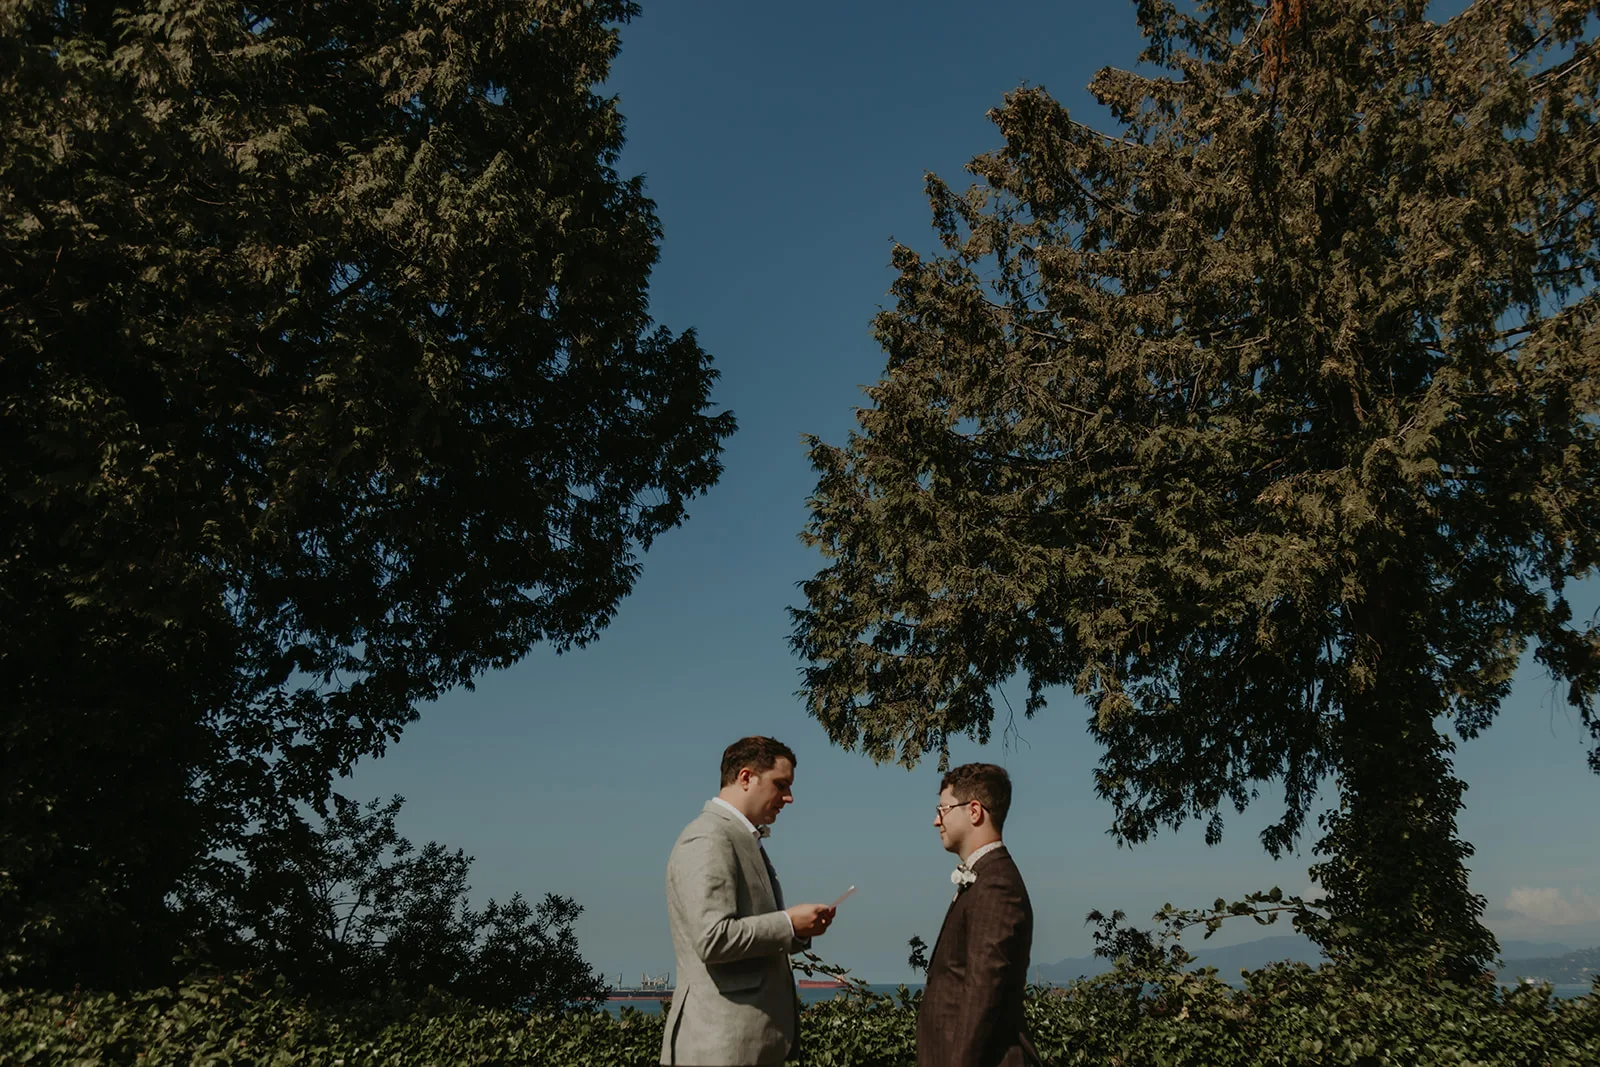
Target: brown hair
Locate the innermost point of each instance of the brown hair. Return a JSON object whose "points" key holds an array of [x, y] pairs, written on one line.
{"points": [[760, 754], [986, 783]]}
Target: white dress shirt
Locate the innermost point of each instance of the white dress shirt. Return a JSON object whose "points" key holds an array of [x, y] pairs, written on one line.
{"points": [[978, 854]]}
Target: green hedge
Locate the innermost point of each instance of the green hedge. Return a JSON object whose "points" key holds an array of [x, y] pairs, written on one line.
{"points": [[1286, 1014]]}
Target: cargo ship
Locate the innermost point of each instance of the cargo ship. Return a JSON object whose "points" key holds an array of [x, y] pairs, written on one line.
{"points": [[658, 987]]}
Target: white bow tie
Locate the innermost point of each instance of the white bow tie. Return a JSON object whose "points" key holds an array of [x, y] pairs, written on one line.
{"points": [[763, 832]]}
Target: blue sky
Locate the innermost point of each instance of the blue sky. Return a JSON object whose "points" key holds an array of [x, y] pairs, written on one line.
{"points": [[785, 146]]}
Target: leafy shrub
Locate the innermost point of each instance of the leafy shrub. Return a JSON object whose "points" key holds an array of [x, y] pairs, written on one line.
{"points": [[354, 910], [1286, 1014]]}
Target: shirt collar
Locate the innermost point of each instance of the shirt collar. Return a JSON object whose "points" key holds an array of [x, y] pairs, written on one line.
{"points": [[748, 825], [980, 853]]}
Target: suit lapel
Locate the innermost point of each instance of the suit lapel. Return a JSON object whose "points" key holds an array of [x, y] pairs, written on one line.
{"points": [[960, 903], [752, 857], [944, 928]]}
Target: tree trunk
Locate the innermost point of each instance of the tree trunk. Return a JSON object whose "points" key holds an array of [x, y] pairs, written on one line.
{"points": [[1394, 871]]}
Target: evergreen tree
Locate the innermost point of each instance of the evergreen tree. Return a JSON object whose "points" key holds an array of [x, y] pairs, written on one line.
{"points": [[1266, 422], [327, 383]]}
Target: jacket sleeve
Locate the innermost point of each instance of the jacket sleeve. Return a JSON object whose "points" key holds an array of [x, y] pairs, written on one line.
{"points": [[996, 928], [701, 874]]}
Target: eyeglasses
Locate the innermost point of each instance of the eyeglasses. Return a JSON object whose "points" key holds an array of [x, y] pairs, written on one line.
{"points": [[958, 804]]}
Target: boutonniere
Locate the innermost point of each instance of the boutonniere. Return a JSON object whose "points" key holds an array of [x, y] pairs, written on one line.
{"points": [[963, 876]]}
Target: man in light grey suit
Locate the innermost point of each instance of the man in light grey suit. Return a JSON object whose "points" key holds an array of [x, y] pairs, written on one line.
{"points": [[735, 1004]]}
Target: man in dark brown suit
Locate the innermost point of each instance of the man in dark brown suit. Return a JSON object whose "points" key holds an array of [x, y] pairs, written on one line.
{"points": [[972, 1008]]}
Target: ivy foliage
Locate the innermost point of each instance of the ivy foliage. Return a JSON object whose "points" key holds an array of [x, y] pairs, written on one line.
{"points": [[1266, 421], [327, 383]]}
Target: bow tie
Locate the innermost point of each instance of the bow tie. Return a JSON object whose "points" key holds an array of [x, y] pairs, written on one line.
{"points": [[763, 832], [963, 876]]}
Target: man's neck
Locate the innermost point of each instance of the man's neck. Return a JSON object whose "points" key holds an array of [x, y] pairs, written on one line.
{"points": [[732, 799], [974, 845]]}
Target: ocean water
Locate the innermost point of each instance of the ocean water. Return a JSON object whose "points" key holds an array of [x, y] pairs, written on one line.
{"points": [[1569, 992], [813, 996], [807, 996]]}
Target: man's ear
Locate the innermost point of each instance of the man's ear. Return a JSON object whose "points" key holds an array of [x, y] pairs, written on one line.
{"points": [[745, 774]]}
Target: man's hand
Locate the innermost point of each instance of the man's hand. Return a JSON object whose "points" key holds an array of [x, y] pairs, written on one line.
{"points": [[811, 920]]}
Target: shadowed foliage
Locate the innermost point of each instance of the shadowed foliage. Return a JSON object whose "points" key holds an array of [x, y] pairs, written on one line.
{"points": [[327, 383], [355, 910]]}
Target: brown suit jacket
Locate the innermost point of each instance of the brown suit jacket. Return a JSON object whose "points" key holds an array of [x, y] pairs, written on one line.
{"points": [[972, 1007]]}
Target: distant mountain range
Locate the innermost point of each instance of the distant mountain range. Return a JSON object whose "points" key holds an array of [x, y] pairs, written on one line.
{"points": [[1540, 960], [1567, 968]]}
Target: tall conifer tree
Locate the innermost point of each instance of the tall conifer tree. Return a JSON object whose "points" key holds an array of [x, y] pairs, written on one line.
{"points": [[1267, 422]]}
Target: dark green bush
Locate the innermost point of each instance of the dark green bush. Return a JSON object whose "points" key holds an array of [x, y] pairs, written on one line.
{"points": [[1283, 1015]]}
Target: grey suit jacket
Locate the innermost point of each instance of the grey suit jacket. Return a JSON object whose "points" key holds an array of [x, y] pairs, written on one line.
{"points": [[735, 1002]]}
